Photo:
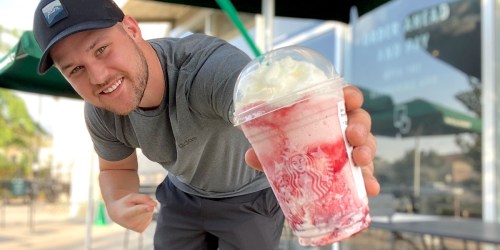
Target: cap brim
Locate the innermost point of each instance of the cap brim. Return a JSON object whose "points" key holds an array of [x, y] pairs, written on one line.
{"points": [[46, 61]]}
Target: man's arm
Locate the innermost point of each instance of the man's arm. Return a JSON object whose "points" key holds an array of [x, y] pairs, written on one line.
{"points": [[119, 182]]}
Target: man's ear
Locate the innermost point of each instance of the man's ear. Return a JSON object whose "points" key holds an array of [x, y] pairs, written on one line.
{"points": [[132, 27]]}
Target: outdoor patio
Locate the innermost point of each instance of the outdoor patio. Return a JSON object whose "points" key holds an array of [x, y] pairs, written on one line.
{"points": [[52, 228]]}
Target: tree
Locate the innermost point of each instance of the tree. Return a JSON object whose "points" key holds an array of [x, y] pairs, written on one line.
{"points": [[472, 101], [20, 136]]}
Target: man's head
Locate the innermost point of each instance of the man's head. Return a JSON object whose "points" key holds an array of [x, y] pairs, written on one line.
{"points": [[57, 19], [97, 49]]}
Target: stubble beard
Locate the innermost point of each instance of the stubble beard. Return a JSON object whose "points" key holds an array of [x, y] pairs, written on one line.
{"points": [[138, 85]]}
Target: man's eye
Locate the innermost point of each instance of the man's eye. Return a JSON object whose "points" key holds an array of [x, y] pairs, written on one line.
{"points": [[75, 70], [101, 50]]}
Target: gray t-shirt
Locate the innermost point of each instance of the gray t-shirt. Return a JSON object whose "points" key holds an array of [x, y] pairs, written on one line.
{"points": [[190, 134]]}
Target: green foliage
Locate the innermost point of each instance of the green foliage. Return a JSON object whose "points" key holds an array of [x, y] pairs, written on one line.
{"points": [[19, 134], [433, 168], [16, 125], [7, 168]]}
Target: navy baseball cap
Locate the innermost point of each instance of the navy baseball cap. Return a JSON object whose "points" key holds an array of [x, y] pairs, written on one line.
{"points": [[57, 19]]}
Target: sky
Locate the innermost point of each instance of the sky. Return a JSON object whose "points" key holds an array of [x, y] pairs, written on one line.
{"points": [[17, 14]]}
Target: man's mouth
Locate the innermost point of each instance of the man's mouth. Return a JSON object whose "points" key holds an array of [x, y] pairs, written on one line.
{"points": [[113, 87]]}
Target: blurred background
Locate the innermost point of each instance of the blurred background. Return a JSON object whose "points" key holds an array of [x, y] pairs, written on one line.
{"points": [[428, 70]]}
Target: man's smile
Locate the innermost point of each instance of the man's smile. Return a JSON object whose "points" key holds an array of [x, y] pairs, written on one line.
{"points": [[113, 87]]}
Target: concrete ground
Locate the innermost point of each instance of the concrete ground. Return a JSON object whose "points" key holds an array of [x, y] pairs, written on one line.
{"points": [[52, 228]]}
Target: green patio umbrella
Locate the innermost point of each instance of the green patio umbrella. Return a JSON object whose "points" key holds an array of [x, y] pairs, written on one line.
{"points": [[18, 71], [375, 102], [419, 118]]}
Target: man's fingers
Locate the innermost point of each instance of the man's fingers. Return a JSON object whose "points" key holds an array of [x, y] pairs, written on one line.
{"points": [[140, 217], [358, 129], [145, 199], [143, 209], [364, 154], [252, 160], [359, 136], [353, 98], [371, 184]]}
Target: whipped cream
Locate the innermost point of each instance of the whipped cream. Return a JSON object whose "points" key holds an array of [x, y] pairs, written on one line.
{"points": [[277, 79]]}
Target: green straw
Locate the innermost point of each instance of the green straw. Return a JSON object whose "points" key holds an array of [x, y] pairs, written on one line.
{"points": [[231, 12]]}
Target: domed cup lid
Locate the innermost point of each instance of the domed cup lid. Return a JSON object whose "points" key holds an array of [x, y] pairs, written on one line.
{"points": [[276, 79]]}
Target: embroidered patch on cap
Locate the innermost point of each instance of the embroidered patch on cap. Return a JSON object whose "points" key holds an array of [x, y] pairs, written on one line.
{"points": [[54, 12]]}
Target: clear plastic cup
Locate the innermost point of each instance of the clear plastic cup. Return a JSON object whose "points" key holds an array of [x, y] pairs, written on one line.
{"points": [[289, 104]]}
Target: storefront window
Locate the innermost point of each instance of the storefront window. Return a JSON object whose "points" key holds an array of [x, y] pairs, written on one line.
{"points": [[419, 63]]}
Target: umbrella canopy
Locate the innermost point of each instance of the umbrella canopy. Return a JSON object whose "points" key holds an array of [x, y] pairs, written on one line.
{"points": [[18, 70], [421, 117], [314, 9], [375, 102]]}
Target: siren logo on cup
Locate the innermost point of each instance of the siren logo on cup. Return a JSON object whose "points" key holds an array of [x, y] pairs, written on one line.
{"points": [[54, 12]]}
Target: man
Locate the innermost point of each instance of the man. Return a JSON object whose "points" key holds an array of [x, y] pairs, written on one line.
{"points": [[173, 99]]}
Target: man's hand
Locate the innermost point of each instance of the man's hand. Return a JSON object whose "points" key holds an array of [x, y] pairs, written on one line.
{"points": [[119, 183], [133, 211], [358, 135]]}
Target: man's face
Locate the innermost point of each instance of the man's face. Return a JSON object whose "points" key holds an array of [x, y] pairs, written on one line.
{"points": [[105, 67]]}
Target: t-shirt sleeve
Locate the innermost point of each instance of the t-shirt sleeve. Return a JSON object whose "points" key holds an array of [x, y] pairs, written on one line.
{"points": [[106, 145]]}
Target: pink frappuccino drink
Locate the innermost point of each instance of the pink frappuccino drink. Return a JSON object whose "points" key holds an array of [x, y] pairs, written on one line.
{"points": [[289, 103]]}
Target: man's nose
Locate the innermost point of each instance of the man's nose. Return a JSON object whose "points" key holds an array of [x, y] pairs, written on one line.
{"points": [[97, 73]]}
